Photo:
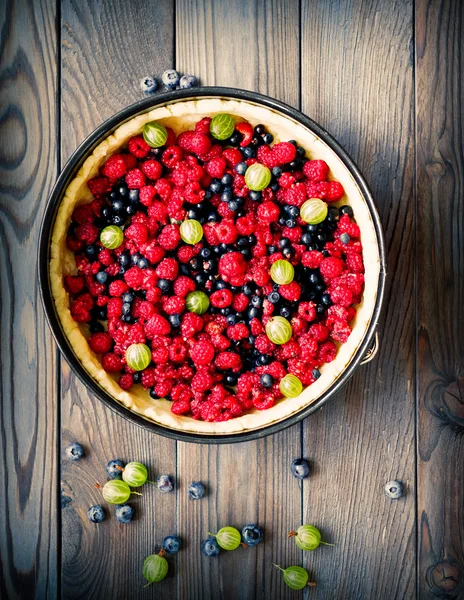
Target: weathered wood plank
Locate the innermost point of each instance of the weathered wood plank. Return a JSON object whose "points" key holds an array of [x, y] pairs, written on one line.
{"points": [[357, 81], [28, 417], [440, 296], [106, 49], [251, 45]]}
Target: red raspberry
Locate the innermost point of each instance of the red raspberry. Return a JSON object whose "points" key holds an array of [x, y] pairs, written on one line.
{"points": [[289, 350], [335, 191], [114, 308], [143, 309], [232, 265], [153, 252], [87, 233], [354, 262], [340, 331], [172, 138], [316, 170], [202, 353], [232, 156], [264, 401], [202, 381], [115, 167], [240, 302], [191, 324], [146, 195], [221, 298], [202, 126], [341, 295], [238, 332], [148, 377], [292, 233], [134, 278], [83, 214], [199, 143], [172, 156], [178, 351], [160, 356], [157, 212], [268, 213], [167, 269], [209, 231], [319, 332], [327, 352], [256, 327], [112, 363], [312, 259], [298, 325], [174, 305], [194, 193], [118, 288], [169, 237], [331, 267], [295, 195], [130, 160], [281, 153], [156, 325], [220, 342], [100, 342], [247, 382], [216, 167], [286, 180], [264, 345], [224, 211], [138, 147], [247, 132], [74, 283], [307, 311], [152, 169], [137, 232], [99, 186], [135, 179], [290, 291], [226, 231], [126, 381], [183, 285], [163, 189], [226, 361], [246, 225]]}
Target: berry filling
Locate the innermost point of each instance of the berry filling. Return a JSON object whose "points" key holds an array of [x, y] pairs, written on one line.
{"points": [[214, 268]]}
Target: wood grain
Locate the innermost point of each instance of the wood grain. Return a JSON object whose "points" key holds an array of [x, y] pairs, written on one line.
{"points": [[28, 417], [252, 45], [440, 295], [357, 81], [106, 48]]}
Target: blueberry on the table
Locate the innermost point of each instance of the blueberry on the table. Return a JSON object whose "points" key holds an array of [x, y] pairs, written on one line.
{"points": [[248, 152], [288, 253], [256, 301], [96, 514], [253, 313], [74, 451], [345, 238], [175, 320], [326, 300], [216, 186], [346, 210], [394, 489], [124, 259], [252, 534], [118, 220], [210, 547], [91, 251], [148, 84], [231, 319], [124, 513], [231, 379], [165, 483], [306, 239], [212, 217], [277, 171], [172, 544], [170, 78], [153, 394], [241, 168], [126, 308], [196, 490], [285, 312], [247, 289], [264, 359], [227, 179], [300, 468], [235, 139], [284, 242], [114, 469], [187, 81], [293, 211], [267, 380]]}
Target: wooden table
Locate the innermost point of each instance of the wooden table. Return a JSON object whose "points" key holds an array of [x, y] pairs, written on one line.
{"points": [[385, 78]]}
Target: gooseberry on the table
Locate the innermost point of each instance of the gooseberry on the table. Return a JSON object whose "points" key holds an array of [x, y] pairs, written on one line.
{"points": [[228, 538], [155, 568]]}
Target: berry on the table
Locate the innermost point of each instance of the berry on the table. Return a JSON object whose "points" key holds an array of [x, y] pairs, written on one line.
{"points": [[196, 490], [148, 84], [135, 474], [155, 568], [307, 537], [114, 469], [210, 547], [96, 514], [393, 489], [172, 544], [228, 538], [300, 468], [165, 483], [124, 513], [191, 231], [252, 535], [116, 491], [74, 451], [187, 81], [170, 78], [278, 330], [296, 577]]}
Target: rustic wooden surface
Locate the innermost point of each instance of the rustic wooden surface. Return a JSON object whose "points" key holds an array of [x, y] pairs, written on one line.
{"points": [[385, 79]]}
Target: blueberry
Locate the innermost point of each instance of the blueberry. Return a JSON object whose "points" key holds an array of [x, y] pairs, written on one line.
{"points": [[251, 238], [124, 513], [174, 320], [235, 139], [233, 205], [252, 535], [126, 318], [96, 514], [170, 78], [333, 215], [125, 259], [277, 171], [91, 251], [101, 277], [268, 138], [231, 319], [148, 85], [285, 312], [165, 483], [259, 129], [267, 380], [210, 547], [255, 196], [201, 278], [143, 263], [347, 210], [247, 289], [74, 451], [253, 313], [300, 468], [306, 239], [227, 179], [394, 489], [345, 238], [172, 544], [118, 220], [290, 223], [241, 168], [271, 249], [248, 152], [315, 373], [112, 469], [126, 308], [135, 258], [293, 211], [153, 394], [326, 300], [164, 285], [205, 253], [288, 253], [221, 285], [134, 196], [187, 82], [256, 301], [274, 297], [118, 205], [131, 209], [284, 242], [196, 490], [127, 297], [264, 359], [216, 186], [137, 377], [231, 378], [212, 217]]}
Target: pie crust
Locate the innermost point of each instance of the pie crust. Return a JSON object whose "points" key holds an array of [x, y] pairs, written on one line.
{"points": [[180, 116]]}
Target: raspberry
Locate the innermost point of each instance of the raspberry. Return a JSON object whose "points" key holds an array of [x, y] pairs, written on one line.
{"points": [[180, 407], [194, 193], [221, 298], [292, 233], [163, 388], [115, 167], [264, 345], [295, 195], [200, 143], [286, 180], [240, 302], [156, 325], [148, 377], [112, 363], [264, 401], [228, 361], [160, 355], [134, 278], [202, 381], [209, 231], [172, 138], [183, 286], [290, 291], [298, 325], [256, 326], [114, 308], [100, 342], [307, 311], [126, 381], [83, 214], [202, 126], [144, 309], [174, 305], [178, 351], [232, 156], [216, 167], [331, 267], [167, 269], [319, 332], [341, 295], [220, 342], [238, 332], [268, 213], [335, 191], [226, 231], [232, 265], [152, 169], [312, 259], [247, 132], [87, 233], [172, 156], [191, 324], [281, 153], [135, 179], [340, 331], [202, 353], [118, 287], [327, 352], [146, 195], [138, 147], [137, 232], [169, 237], [74, 283], [354, 262], [99, 186], [246, 225], [247, 382], [316, 170], [289, 350]]}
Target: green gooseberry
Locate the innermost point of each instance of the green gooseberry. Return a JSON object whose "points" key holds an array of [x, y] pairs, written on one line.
{"points": [[308, 537], [155, 568], [228, 538], [296, 577], [155, 134], [222, 126]]}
